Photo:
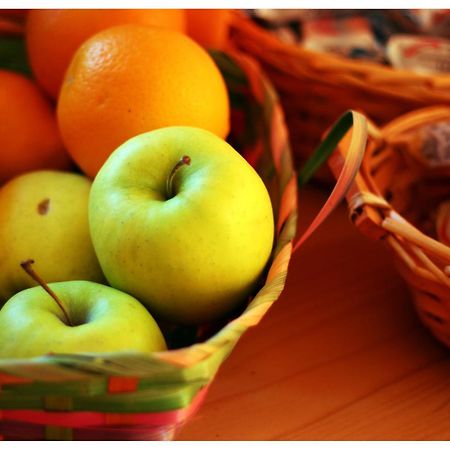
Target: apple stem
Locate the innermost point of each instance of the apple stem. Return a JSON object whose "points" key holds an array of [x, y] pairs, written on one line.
{"points": [[184, 161], [26, 265]]}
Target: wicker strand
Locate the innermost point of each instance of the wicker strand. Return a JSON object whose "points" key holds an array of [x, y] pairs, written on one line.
{"points": [[396, 224], [397, 244], [366, 198], [430, 265]]}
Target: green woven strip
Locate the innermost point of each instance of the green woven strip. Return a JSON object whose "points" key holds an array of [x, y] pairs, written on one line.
{"points": [[325, 148], [141, 401], [149, 400], [93, 386]]}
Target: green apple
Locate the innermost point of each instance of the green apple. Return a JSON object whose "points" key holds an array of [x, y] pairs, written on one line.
{"points": [[190, 242], [44, 216], [99, 319]]}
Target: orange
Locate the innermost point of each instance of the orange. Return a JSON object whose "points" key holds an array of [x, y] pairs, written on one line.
{"points": [[53, 36], [29, 136], [209, 27], [131, 79]]}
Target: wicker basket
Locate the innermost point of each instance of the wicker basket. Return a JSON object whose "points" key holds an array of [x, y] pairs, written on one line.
{"points": [[316, 88], [394, 199]]}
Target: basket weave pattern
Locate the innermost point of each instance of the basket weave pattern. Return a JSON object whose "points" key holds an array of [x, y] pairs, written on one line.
{"points": [[137, 396], [391, 200], [316, 88]]}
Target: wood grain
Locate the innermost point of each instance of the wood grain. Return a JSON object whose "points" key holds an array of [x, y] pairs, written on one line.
{"points": [[341, 355]]}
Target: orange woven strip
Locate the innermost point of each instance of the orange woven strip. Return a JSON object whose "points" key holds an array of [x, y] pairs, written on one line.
{"points": [[288, 202], [280, 263], [278, 136], [352, 161], [122, 384]]}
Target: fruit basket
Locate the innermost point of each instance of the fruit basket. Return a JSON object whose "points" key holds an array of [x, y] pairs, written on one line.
{"points": [[125, 395], [135, 396], [395, 198], [315, 88]]}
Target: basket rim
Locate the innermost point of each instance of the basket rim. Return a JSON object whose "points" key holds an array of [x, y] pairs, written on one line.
{"points": [[354, 69]]}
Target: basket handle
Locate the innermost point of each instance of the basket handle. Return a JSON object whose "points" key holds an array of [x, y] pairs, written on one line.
{"points": [[353, 158]]}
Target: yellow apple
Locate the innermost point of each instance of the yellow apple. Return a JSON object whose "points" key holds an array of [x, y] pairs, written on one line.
{"points": [[191, 244], [44, 216], [94, 318]]}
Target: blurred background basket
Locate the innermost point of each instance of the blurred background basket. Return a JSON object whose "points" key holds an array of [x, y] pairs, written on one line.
{"points": [[135, 396], [316, 88], [404, 177]]}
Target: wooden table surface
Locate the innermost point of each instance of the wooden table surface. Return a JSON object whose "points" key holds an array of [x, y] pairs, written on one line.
{"points": [[340, 356]]}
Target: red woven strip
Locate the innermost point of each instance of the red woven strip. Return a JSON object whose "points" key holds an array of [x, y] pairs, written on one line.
{"points": [[6, 378], [86, 419], [122, 384]]}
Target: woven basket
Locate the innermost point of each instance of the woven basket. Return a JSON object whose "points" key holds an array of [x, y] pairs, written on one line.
{"points": [[394, 199], [129, 396], [315, 88], [138, 396]]}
